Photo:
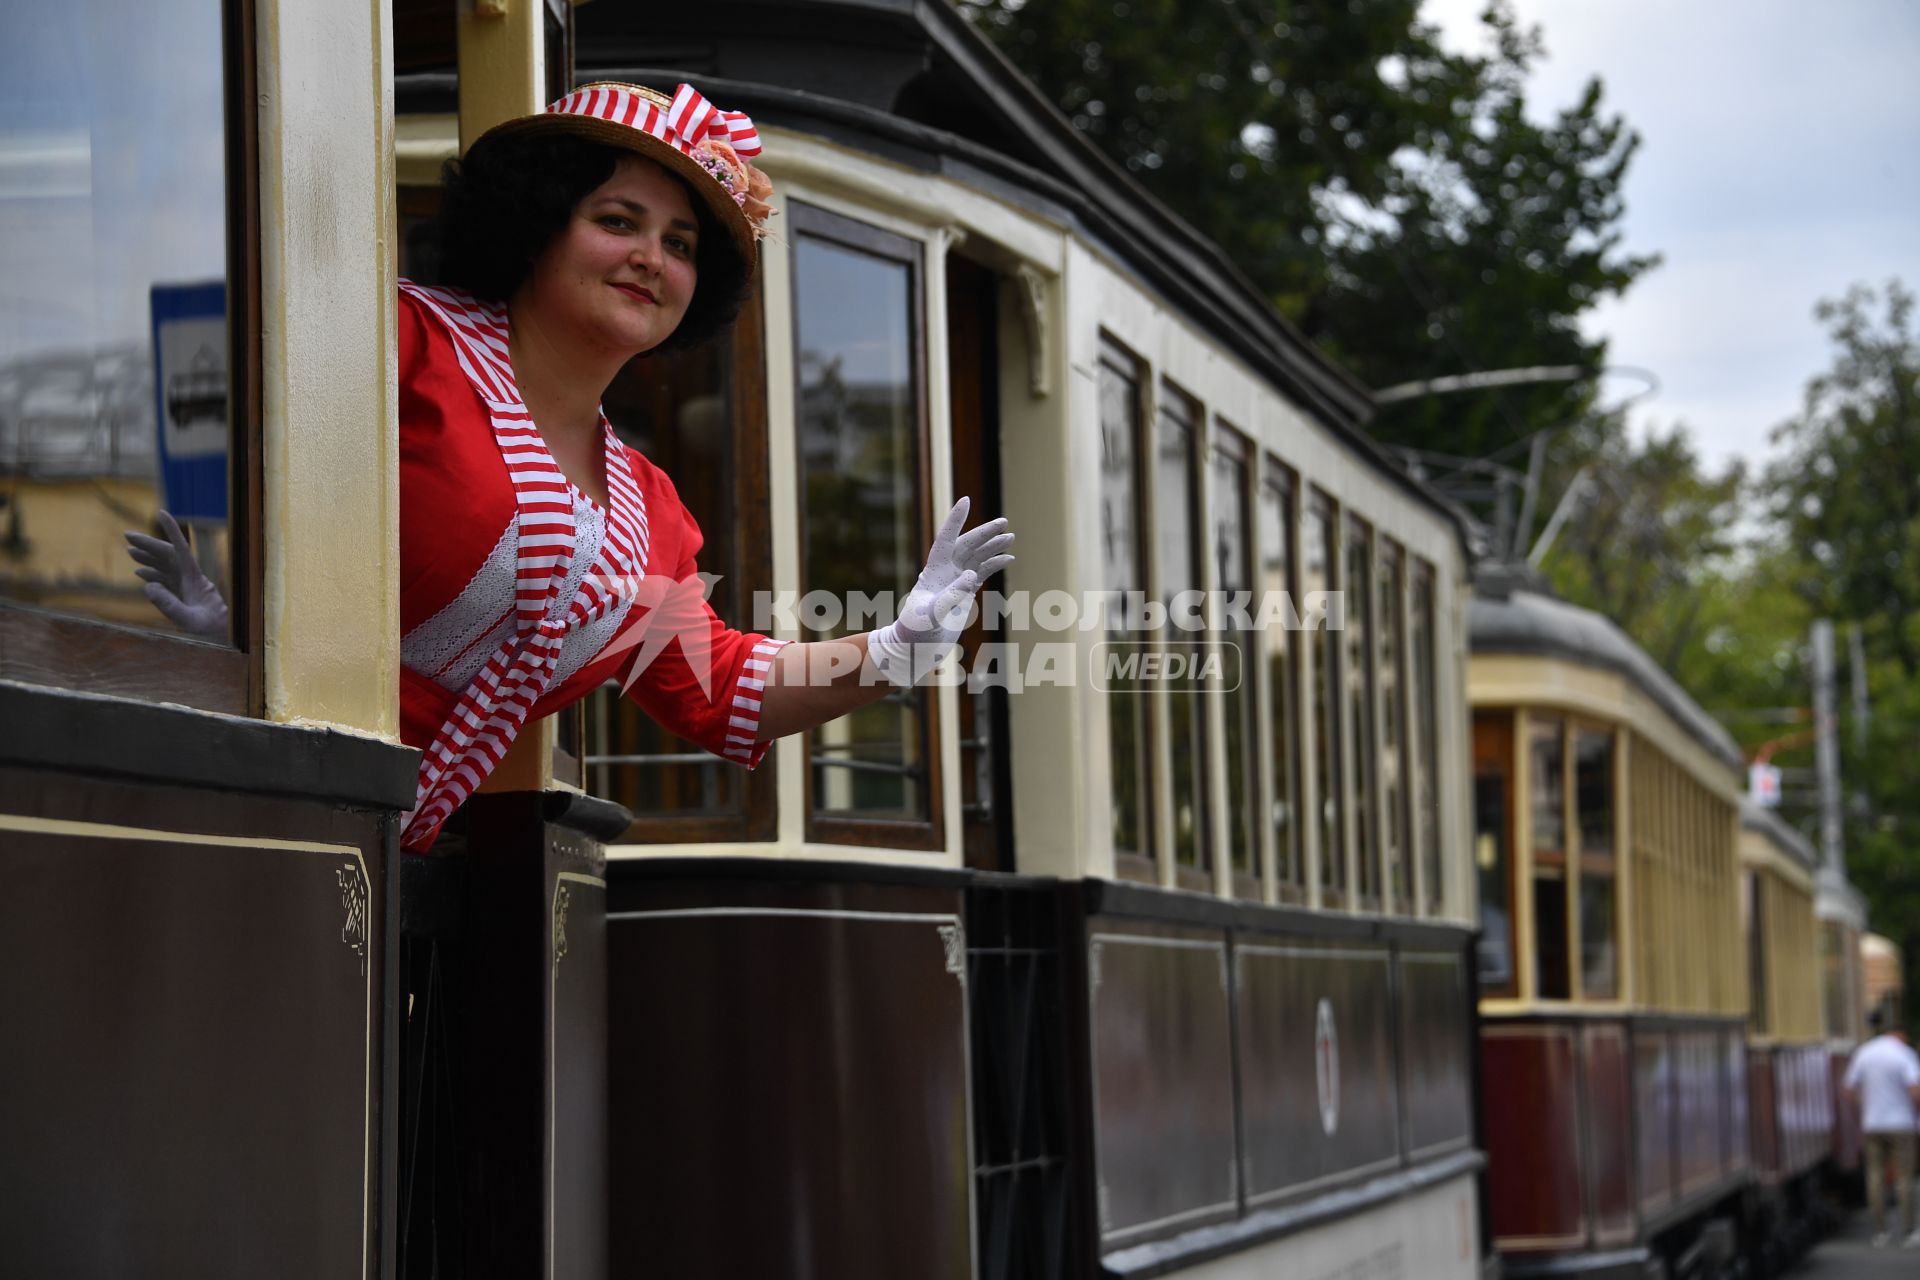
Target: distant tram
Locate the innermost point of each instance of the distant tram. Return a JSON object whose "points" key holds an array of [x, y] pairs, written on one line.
{"points": [[1654, 1025], [1109, 976]]}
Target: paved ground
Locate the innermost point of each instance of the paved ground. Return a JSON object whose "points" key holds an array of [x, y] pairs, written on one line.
{"points": [[1849, 1254]]}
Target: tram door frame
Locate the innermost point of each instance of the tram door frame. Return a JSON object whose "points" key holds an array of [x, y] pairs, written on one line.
{"points": [[973, 390]]}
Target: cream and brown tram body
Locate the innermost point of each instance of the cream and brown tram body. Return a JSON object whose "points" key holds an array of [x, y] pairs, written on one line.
{"points": [[1801, 1120], [1103, 965], [1613, 973]]}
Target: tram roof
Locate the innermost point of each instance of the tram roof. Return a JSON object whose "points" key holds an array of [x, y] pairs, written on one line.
{"points": [[1788, 840], [911, 80], [1504, 616]]}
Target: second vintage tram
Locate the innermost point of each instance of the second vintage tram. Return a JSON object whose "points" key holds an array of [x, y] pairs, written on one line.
{"points": [[1667, 996], [1087, 972]]}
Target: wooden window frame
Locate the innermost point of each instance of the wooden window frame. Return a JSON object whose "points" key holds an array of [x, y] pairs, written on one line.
{"points": [[1390, 583], [1235, 445], [1426, 840], [71, 651], [1580, 863], [1142, 867], [757, 819], [1363, 738], [928, 834], [1323, 515], [1200, 877], [1560, 861], [1489, 722], [1289, 868]]}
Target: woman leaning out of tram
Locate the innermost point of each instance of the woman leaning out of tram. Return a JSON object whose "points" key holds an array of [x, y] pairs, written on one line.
{"points": [[540, 556]]}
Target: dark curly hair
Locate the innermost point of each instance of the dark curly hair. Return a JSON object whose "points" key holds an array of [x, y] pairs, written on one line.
{"points": [[505, 202]]}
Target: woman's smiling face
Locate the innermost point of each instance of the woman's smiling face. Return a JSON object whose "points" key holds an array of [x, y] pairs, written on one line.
{"points": [[621, 272]]}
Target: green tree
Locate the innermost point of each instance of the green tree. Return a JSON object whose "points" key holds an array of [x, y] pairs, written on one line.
{"points": [[1848, 487], [1648, 539], [1393, 198], [1845, 500]]}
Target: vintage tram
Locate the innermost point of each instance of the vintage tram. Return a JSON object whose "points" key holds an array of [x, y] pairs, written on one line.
{"points": [[1083, 969], [1669, 974], [1798, 1114]]}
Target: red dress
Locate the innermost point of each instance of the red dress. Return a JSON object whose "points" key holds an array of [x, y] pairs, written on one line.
{"points": [[518, 594]]}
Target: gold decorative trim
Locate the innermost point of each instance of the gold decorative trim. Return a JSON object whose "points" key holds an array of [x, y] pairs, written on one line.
{"points": [[562, 896], [953, 938], [354, 897]]}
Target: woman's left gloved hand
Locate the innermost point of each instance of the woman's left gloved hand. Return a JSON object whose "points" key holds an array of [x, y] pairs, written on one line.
{"points": [[932, 615], [175, 584]]}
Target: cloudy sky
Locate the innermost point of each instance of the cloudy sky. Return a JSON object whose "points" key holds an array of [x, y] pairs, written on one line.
{"points": [[1780, 163]]}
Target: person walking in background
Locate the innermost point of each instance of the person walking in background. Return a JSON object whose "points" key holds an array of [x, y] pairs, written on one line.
{"points": [[1883, 1080]]}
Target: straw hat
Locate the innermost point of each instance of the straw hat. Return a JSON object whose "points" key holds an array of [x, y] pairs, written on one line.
{"points": [[705, 147]]}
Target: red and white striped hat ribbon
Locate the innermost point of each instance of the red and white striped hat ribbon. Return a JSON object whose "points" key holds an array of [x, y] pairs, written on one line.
{"points": [[684, 125]]}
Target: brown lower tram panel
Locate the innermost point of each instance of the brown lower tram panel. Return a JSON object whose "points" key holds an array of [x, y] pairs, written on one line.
{"points": [[1791, 1104], [1587, 1117], [190, 986], [788, 1076]]}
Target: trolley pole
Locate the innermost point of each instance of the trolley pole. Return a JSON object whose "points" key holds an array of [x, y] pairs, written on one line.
{"points": [[1827, 748]]}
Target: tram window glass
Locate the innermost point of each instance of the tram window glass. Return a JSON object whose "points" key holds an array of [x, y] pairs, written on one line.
{"points": [[1599, 908], [1547, 772], [1492, 848], [1390, 623], [1177, 540], [1280, 675], [1547, 785], [1319, 575], [1359, 674], [1233, 572], [864, 522], [1122, 568], [696, 414], [124, 355], [1426, 737]]}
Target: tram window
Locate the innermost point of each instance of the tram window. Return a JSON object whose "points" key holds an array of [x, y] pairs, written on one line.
{"points": [[696, 414], [1547, 772], [1426, 738], [1240, 708], [1547, 785], [1492, 850], [1390, 622], [1177, 539], [864, 518], [1598, 885], [1122, 567], [125, 365], [1319, 575], [1359, 673], [1280, 673]]}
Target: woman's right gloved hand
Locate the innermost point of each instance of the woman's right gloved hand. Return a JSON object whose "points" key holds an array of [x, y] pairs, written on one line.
{"points": [[175, 584], [935, 611]]}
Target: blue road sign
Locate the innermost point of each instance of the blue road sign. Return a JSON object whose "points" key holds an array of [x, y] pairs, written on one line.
{"points": [[191, 391]]}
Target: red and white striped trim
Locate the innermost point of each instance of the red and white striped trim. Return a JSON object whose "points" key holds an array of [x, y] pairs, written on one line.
{"points": [[494, 706], [683, 125], [743, 719]]}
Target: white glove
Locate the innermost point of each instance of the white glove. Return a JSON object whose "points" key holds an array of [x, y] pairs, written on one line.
{"points": [[175, 584], [932, 615]]}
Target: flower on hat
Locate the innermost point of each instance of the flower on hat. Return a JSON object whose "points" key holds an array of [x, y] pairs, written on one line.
{"points": [[755, 205], [749, 187]]}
